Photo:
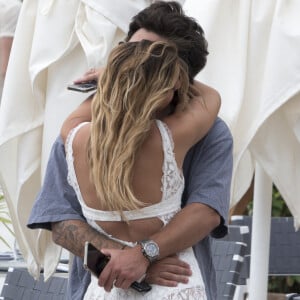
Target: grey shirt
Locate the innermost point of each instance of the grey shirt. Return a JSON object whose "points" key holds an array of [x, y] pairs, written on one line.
{"points": [[207, 170]]}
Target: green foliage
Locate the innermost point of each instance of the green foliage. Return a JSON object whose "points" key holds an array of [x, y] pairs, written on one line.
{"points": [[279, 208], [4, 219], [289, 284]]}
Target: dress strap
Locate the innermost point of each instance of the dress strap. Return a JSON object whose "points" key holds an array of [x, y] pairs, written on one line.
{"points": [[172, 179], [69, 142], [72, 179], [70, 138], [172, 187], [167, 139]]}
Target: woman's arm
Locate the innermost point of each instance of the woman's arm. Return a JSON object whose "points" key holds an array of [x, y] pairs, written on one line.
{"points": [[5, 47], [190, 125], [199, 115], [203, 107], [81, 114]]}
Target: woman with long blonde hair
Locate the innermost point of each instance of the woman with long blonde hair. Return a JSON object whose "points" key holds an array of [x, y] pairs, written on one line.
{"points": [[126, 164], [133, 91]]}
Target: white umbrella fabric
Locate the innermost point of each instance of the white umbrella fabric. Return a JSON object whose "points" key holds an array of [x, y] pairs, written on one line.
{"points": [[56, 41], [254, 63]]}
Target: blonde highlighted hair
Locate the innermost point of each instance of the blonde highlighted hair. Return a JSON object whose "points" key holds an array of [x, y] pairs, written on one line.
{"points": [[132, 89]]}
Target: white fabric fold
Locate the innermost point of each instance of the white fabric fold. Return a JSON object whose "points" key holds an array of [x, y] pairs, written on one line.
{"points": [[56, 41], [254, 63], [254, 48], [9, 13]]}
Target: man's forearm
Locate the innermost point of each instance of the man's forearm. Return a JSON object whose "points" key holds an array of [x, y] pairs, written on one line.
{"points": [[194, 222], [190, 225], [72, 235]]}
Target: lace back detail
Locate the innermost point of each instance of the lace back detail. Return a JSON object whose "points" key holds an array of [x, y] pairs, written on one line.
{"points": [[192, 293], [172, 185], [172, 179]]}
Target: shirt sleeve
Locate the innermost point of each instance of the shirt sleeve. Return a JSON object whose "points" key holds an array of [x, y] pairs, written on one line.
{"points": [[208, 172], [56, 200]]}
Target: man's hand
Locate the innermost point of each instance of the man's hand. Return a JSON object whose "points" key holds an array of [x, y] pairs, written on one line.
{"points": [[127, 266], [168, 272], [124, 267]]}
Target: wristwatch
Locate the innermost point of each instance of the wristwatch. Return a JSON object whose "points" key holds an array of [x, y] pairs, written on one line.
{"points": [[150, 250]]}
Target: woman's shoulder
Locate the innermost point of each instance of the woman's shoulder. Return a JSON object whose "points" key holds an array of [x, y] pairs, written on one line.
{"points": [[79, 135], [83, 133], [192, 123], [208, 90], [209, 96]]}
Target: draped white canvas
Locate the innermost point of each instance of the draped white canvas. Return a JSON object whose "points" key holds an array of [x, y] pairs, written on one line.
{"points": [[56, 41], [254, 63]]}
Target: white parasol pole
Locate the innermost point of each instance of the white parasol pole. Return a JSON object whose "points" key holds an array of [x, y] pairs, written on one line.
{"points": [[260, 237]]}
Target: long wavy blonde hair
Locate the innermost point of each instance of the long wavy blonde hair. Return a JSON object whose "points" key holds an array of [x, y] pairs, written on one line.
{"points": [[130, 92]]}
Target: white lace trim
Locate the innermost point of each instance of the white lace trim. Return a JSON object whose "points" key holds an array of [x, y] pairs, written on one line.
{"points": [[193, 290], [101, 230], [192, 293], [172, 184], [172, 179]]}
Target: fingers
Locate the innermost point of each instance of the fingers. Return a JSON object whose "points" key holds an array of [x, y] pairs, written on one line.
{"points": [[174, 261], [90, 75], [114, 279], [178, 270], [113, 273], [122, 283], [167, 279], [106, 279], [106, 252], [123, 268], [119, 283], [169, 272], [107, 276]]}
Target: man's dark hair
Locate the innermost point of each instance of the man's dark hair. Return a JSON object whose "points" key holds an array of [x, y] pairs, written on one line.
{"points": [[168, 20]]}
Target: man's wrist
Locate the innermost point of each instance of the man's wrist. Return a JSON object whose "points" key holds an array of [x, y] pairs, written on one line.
{"points": [[150, 250]]}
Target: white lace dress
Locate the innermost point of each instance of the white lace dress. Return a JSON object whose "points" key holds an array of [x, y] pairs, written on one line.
{"points": [[172, 188]]}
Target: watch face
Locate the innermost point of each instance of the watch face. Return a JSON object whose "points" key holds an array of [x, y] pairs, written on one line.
{"points": [[151, 249]]}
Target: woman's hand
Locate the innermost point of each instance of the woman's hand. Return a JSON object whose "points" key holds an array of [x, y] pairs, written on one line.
{"points": [[124, 267], [168, 271], [92, 74], [129, 265]]}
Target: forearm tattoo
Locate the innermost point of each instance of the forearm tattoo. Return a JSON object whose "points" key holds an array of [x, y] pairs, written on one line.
{"points": [[73, 234]]}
